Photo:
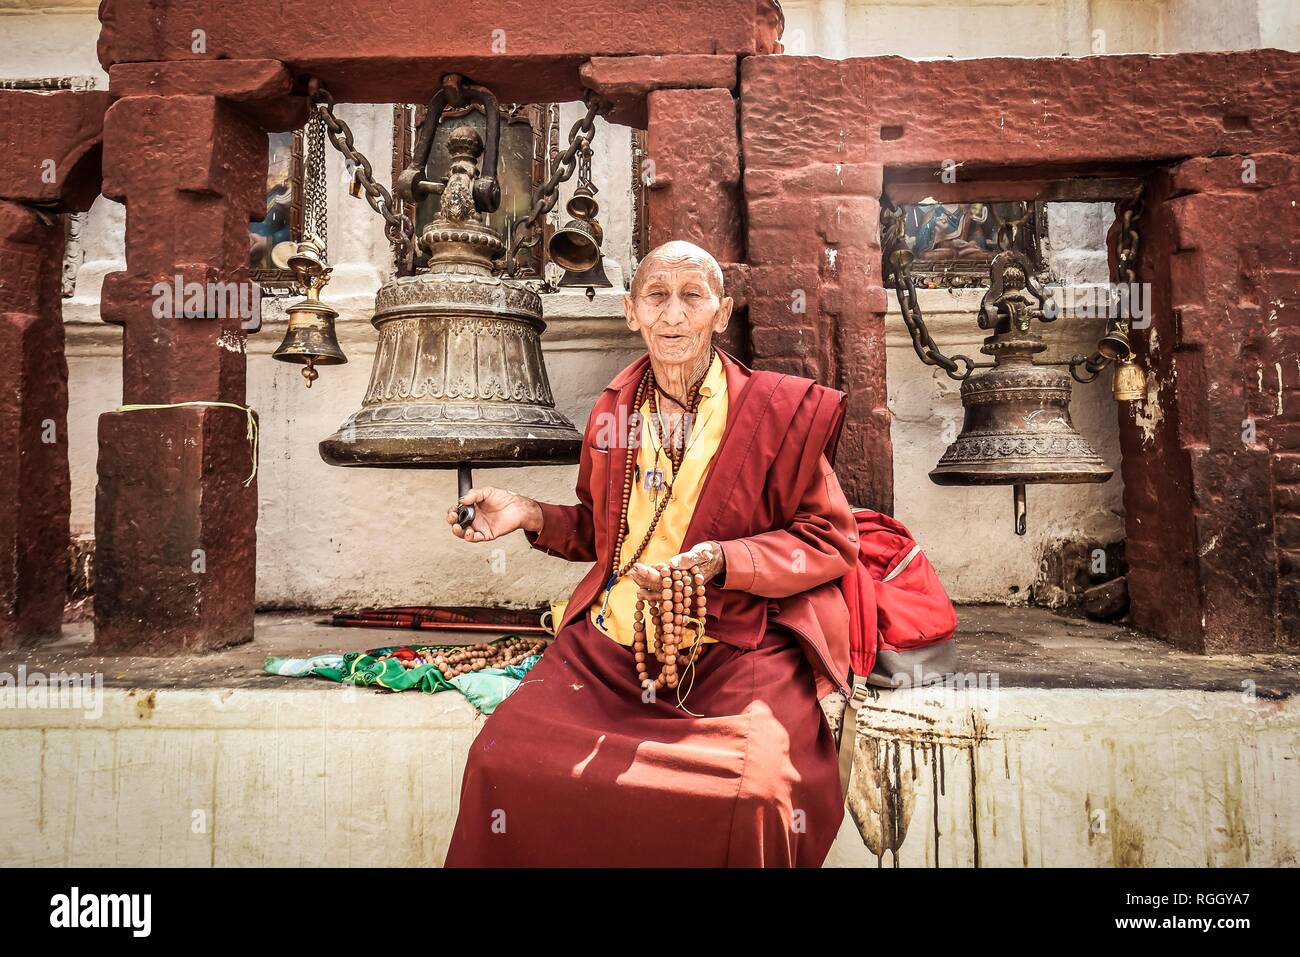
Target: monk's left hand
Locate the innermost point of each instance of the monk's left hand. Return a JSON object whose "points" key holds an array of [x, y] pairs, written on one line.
{"points": [[705, 558]]}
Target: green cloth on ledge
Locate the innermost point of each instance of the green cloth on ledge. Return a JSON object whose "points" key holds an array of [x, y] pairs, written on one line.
{"points": [[485, 689]]}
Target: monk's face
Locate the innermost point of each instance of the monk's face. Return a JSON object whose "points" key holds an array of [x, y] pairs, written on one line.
{"points": [[676, 309]]}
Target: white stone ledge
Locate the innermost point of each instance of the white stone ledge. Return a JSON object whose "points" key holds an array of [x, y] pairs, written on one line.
{"points": [[1023, 777]]}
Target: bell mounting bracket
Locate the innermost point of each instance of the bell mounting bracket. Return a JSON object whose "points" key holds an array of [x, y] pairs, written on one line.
{"points": [[415, 184]]}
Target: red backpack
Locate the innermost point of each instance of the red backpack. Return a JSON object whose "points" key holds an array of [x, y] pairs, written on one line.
{"points": [[901, 621]]}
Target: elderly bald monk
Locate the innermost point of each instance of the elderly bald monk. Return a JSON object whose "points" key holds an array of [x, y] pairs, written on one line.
{"points": [[725, 475]]}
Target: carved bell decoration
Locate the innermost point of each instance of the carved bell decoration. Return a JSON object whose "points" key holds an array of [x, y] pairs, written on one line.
{"points": [[310, 339], [1017, 429], [458, 376], [1130, 382]]}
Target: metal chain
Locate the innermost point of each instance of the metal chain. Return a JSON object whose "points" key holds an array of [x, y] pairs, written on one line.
{"points": [[315, 221], [584, 165], [1126, 244], [526, 233], [1128, 212], [399, 229], [1009, 229], [898, 266]]}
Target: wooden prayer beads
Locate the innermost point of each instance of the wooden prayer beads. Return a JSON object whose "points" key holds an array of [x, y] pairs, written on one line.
{"points": [[676, 451], [462, 659], [671, 617]]}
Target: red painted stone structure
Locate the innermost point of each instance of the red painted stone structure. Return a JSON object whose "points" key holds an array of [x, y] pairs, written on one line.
{"points": [[1213, 534], [52, 145], [778, 165]]}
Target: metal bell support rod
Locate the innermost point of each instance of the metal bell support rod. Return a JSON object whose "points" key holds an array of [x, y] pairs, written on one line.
{"points": [[455, 93], [464, 482]]}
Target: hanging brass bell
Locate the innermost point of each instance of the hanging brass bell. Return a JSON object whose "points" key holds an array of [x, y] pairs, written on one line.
{"points": [[1017, 429], [310, 338], [576, 247], [458, 376], [1130, 382], [583, 204], [1114, 345]]}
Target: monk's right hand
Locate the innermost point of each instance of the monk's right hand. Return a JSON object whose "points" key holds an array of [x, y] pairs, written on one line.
{"points": [[497, 512]]}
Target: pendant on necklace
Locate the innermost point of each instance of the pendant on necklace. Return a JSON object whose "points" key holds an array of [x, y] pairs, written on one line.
{"points": [[654, 483]]}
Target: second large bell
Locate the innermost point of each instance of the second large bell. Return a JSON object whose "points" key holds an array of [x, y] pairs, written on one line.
{"points": [[1017, 427]]}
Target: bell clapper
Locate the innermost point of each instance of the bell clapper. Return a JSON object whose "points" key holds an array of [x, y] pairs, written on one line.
{"points": [[309, 371], [1021, 508], [464, 482]]}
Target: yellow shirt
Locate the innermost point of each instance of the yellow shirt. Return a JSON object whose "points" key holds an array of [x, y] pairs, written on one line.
{"points": [[701, 445]]}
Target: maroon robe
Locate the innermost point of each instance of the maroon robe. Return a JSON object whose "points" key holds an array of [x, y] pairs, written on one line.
{"points": [[577, 769]]}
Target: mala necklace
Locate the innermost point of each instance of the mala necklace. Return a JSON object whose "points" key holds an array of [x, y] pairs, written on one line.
{"points": [[670, 614]]}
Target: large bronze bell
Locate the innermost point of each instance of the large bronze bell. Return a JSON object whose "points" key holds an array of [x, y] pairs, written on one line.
{"points": [[458, 375], [1017, 427]]}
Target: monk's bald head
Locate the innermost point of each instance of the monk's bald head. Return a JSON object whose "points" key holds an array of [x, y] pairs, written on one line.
{"points": [[678, 254], [676, 304]]}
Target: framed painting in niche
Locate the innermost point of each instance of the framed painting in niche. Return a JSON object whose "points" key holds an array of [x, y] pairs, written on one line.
{"points": [[283, 221], [955, 243]]}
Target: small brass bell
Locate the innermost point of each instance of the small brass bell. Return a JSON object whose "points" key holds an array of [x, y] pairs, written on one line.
{"points": [[1114, 345], [310, 339], [1017, 427], [576, 247], [1130, 382]]}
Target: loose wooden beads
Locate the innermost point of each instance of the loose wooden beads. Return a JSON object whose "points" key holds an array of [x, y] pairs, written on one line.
{"points": [[462, 659]]}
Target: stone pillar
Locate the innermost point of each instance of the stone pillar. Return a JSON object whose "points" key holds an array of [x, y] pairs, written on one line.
{"points": [[1212, 456], [35, 488], [51, 142], [174, 520], [816, 305], [692, 142]]}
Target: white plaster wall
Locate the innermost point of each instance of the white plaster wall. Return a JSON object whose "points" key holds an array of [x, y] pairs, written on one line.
{"points": [[50, 39], [924, 29]]}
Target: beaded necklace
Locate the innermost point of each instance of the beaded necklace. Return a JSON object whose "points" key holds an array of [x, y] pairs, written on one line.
{"points": [[670, 614]]}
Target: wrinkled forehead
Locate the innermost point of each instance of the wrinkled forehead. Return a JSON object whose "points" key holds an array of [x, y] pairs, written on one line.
{"points": [[678, 269]]}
